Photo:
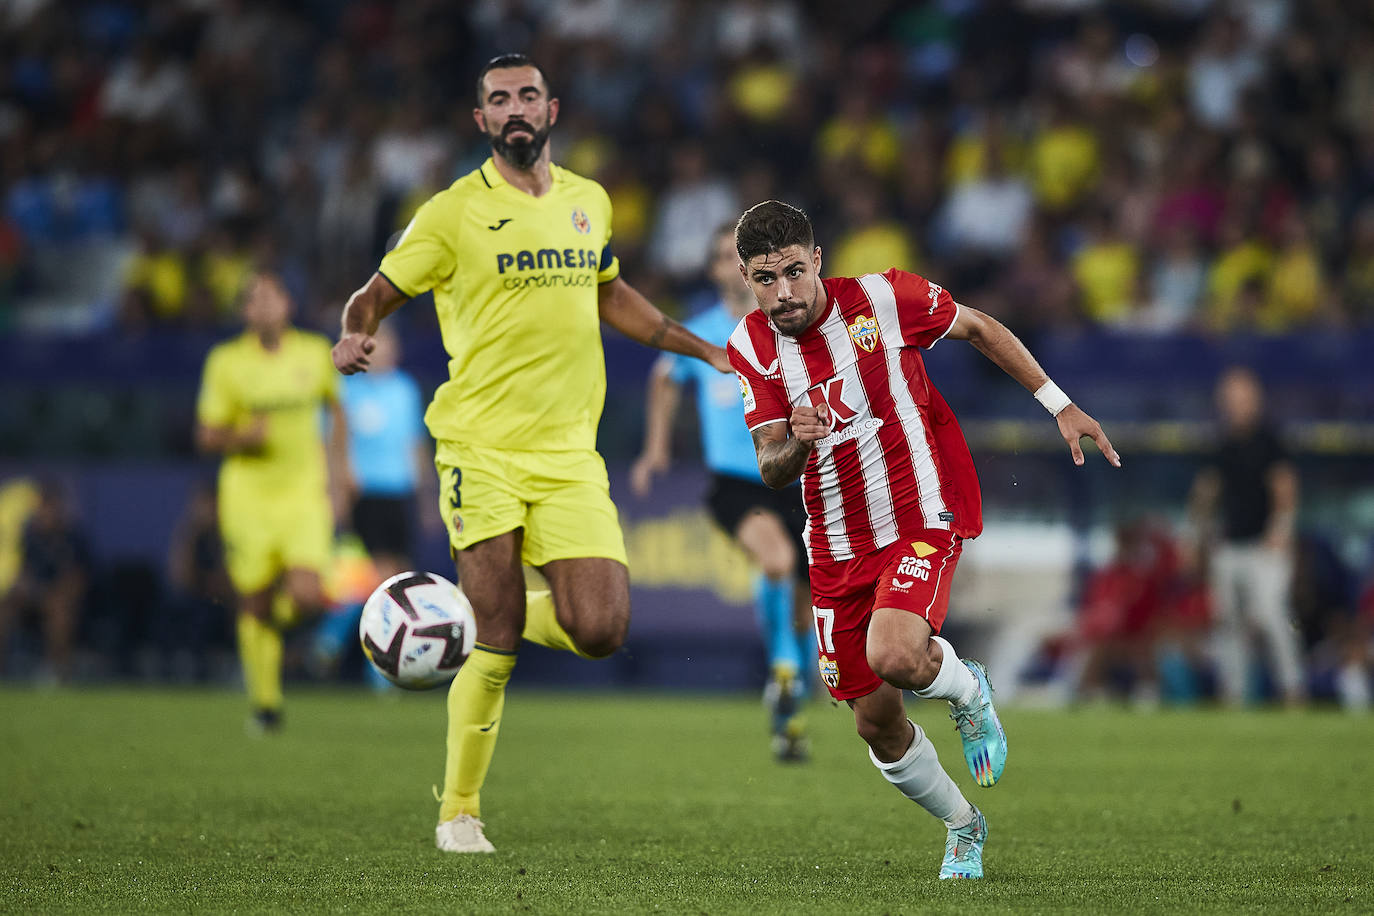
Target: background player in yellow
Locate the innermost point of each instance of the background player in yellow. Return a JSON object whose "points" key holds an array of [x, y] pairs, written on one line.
{"points": [[518, 255], [260, 407]]}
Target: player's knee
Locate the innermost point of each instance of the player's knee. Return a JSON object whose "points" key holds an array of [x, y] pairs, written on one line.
{"points": [[258, 605], [306, 593], [600, 635], [906, 666], [778, 566]]}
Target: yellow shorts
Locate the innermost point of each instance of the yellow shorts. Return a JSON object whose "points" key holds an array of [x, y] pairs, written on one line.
{"points": [[264, 538], [561, 499]]}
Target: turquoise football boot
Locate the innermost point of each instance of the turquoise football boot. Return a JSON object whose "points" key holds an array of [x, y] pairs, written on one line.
{"points": [[985, 744], [964, 849]]}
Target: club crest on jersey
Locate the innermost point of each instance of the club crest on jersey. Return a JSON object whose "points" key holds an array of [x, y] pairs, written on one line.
{"points": [[830, 672], [864, 332], [580, 221]]}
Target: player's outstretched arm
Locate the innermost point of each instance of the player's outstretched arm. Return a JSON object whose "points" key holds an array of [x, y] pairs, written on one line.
{"points": [[342, 485], [364, 311], [995, 341], [626, 310]]}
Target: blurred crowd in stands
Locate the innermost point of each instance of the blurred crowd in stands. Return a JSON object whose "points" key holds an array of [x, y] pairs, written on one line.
{"points": [[1155, 165]]}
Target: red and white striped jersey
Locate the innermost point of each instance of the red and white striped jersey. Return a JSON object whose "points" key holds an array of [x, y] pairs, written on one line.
{"points": [[895, 460]]}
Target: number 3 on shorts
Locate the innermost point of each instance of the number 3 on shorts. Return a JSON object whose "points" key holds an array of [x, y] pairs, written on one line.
{"points": [[825, 628]]}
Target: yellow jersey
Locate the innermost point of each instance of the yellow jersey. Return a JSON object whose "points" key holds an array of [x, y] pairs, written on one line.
{"points": [[515, 282], [288, 385]]}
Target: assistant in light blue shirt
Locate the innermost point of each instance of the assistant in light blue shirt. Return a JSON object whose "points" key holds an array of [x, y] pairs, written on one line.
{"points": [[385, 426], [726, 444]]}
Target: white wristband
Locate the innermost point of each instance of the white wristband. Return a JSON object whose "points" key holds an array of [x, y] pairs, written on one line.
{"points": [[1053, 397]]}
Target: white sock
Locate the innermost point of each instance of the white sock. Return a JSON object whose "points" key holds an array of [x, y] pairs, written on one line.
{"points": [[954, 682], [919, 776]]}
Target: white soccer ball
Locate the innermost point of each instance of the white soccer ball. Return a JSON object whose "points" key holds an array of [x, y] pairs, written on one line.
{"points": [[417, 629]]}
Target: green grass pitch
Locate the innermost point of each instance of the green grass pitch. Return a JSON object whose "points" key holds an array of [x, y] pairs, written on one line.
{"points": [[143, 800]]}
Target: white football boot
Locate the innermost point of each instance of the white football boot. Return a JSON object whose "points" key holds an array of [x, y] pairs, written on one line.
{"points": [[462, 834]]}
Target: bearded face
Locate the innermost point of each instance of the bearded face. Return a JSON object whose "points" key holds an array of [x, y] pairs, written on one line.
{"points": [[516, 114], [519, 142]]}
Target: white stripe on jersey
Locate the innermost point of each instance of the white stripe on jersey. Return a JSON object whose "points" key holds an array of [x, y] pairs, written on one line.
{"points": [[796, 381], [882, 516], [745, 345], [884, 301]]}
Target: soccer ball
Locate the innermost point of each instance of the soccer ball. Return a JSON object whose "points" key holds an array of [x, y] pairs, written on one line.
{"points": [[417, 629]]}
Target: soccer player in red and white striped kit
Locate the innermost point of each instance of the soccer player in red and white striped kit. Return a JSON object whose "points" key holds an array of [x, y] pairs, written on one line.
{"points": [[835, 391]]}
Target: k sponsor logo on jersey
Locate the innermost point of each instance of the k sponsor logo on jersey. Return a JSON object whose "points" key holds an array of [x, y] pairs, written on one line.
{"points": [[902, 585], [831, 394], [830, 672], [580, 221], [746, 393], [864, 332]]}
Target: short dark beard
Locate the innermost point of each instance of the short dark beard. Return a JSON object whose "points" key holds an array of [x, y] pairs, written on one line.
{"points": [[520, 155]]}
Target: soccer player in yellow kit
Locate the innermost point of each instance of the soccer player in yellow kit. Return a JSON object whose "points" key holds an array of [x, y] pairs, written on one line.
{"points": [[518, 255], [260, 407]]}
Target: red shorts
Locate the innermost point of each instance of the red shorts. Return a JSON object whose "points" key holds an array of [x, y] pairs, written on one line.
{"points": [[912, 575]]}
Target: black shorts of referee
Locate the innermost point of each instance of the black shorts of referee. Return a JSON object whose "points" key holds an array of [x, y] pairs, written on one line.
{"points": [[386, 525], [731, 498]]}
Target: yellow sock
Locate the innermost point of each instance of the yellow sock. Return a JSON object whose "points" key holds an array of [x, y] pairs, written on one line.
{"points": [[260, 654], [541, 623], [475, 701]]}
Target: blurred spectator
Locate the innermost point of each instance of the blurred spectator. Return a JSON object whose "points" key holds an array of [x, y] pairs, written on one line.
{"points": [[1139, 618], [1297, 289], [697, 200], [762, 87], [1107, 270], [224, 268], [1175, 284], [858, 136], [51, 584], [987, 215], [160, 273], [1236, 281], [1244, 505], [147, 87], [409, 149], [745, 26], [872, 240], [348, 217], [1222, 68], [1064, 159]]}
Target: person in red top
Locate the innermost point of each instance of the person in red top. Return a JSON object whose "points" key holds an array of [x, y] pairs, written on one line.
{"points": [[835, 392]]}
